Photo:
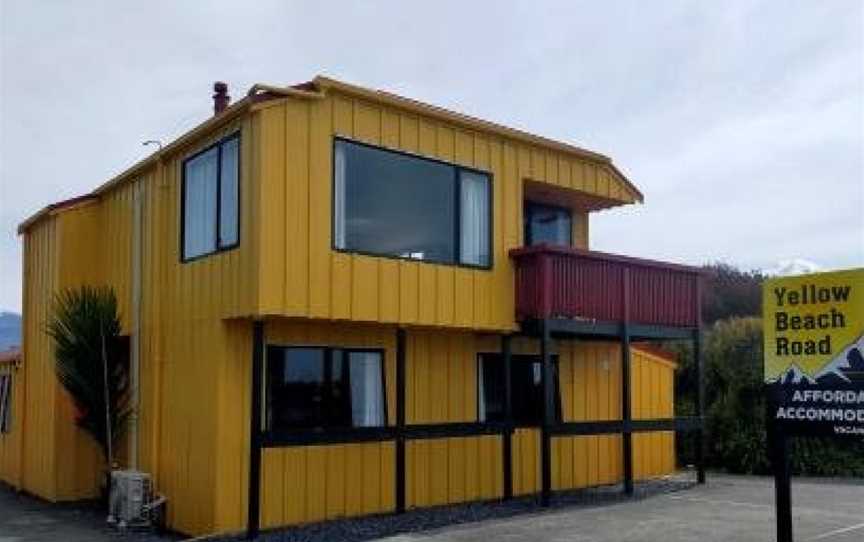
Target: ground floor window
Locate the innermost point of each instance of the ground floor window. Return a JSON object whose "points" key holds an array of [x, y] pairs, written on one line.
{"points": [[323, 387], [526, 372], [5, 403]]}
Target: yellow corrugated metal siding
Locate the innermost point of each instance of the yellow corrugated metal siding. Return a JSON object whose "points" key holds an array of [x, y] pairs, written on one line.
{"points": [[79, 461], [653, 397], [313, 483], [189, 350], [300, 276], [40, 385], [590, 387], [183, 337], [590, 376], [59, 461], [441, 387]]}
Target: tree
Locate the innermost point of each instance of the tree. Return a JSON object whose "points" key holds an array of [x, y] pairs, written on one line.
{"points": [[734, 396], [91, 362], [735, 408], [730, 292]]}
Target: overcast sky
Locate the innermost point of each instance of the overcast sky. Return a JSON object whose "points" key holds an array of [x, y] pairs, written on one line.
{"points": [[741, 122]]}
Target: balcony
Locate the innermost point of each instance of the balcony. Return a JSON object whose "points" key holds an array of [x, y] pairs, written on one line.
{"points": [[593, 293]]}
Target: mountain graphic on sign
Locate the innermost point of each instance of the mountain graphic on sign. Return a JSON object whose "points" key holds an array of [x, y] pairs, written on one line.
{"points": [[847, 366], [796, 375]]}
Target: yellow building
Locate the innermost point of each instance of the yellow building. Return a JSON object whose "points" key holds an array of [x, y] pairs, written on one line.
{"points": [[344, 302]]}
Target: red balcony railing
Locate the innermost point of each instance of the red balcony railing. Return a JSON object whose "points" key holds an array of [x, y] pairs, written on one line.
{"points": [[562, 282]]}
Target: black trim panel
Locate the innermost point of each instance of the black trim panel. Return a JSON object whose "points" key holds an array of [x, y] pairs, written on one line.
{"points": [[681, 424], [253, 518], [590, 329], [401, 338]]}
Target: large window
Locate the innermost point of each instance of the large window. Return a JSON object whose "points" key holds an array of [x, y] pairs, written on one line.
{"points": [[319, 388], [5, 403], [547, 224], [526, 384], [211, 199], [394, 204]]}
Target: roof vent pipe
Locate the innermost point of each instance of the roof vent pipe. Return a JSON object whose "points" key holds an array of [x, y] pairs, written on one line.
{"points": [[220, 97]]}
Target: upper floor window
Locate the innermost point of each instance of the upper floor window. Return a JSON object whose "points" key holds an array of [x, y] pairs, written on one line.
{"points": [[5, 402], [547, 224], [526, 388], [394, 204], [211, 198], [319, 388]]}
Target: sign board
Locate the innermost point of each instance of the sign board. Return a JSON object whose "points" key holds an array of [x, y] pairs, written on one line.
{"points": [[814, 352]]}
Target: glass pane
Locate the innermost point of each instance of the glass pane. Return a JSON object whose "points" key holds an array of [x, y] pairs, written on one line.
{"points": [[492, 388], [527, 393], [295, 388], [5, 402], [229, 195], [339, 407], [392, 204], [547, 224], [7, 414], [199, 213], [367, 396], [339, 173], [474, 208]]}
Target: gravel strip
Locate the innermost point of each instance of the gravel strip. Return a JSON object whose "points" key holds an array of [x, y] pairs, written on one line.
{"points": [[426, 519]]}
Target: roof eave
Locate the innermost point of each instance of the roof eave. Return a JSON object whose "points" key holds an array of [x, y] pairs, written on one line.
{"points": [[324, 83]]}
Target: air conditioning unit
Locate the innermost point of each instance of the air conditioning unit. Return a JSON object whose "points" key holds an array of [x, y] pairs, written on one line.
{"points": [[130, 500]]}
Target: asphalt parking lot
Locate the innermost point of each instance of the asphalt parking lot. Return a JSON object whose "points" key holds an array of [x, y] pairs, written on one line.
{"points": [[728, 508], [26, 519]]}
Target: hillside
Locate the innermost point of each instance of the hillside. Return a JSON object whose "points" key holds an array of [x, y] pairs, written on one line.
{"points": [[10, 330]]}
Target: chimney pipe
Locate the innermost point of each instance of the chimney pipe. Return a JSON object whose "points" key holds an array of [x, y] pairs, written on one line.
{"points": [[220, 97]]}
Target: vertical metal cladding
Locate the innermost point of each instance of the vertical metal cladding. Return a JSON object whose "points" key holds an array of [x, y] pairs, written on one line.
{"points": [[300, 274], [188, 349], [40, 390], [302, 484], [572, 283]]}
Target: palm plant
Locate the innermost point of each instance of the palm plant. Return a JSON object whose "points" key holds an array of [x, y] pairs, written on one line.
{"points": [[91, 362]]}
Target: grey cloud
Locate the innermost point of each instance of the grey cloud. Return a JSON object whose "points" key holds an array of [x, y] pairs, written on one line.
{"points": [[742, 122]]}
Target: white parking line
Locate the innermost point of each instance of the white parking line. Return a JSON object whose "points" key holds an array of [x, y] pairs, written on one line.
{"points": [[713, 501], [839, 531]]}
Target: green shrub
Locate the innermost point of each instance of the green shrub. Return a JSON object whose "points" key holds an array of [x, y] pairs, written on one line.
{"points": [[735, 408]]}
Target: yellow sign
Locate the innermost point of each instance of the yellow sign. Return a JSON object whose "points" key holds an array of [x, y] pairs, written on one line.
{"points": [[814, 326]]}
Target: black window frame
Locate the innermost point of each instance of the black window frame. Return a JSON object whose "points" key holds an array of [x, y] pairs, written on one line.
{"points": [[219, 247], [457, 207], [526, 229], [523, 359], [6, 384], [270, 431]]}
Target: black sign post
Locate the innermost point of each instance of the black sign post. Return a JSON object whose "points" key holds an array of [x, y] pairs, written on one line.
{"points": [[778, 447], [782, 487]]}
